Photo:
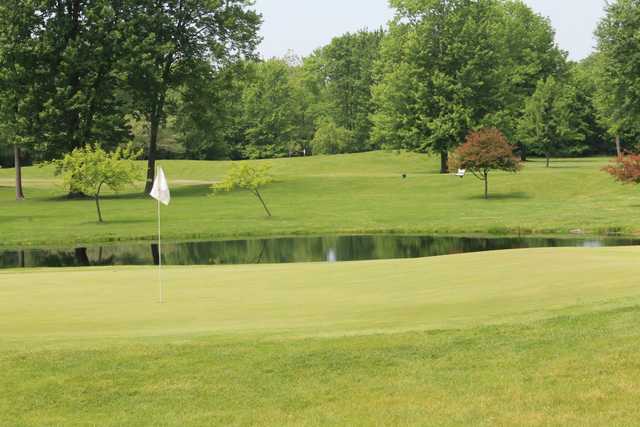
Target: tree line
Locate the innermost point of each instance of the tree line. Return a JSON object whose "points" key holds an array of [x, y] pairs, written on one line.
{"points": [[78, 72], [181, 79]]}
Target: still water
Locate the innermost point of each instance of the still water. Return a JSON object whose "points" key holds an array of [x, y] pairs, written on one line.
{"points": [[285, 250]]}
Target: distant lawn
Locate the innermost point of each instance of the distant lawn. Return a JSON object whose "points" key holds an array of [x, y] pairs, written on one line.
{"points": [[530, 337], [360, 193]]}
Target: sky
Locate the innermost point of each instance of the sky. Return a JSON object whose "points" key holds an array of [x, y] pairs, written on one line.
{"points": [[304, 25]]}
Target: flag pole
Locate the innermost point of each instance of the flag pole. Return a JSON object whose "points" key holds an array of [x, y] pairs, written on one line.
{"points": [[159, 252], [161, 193]]}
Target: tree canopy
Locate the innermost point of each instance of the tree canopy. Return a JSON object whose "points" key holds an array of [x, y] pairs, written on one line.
{"points": [[448, 67], [344, 73], [619, 67], [550, 123], [181, 79], [180, 43]]}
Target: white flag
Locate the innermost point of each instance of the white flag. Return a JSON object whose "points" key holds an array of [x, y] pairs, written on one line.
{"points": [[160, 190]]}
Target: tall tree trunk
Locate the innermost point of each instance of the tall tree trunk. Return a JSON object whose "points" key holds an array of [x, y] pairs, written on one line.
{"points": [[73, 115], [18, 165], [618, 147], [156, 117], [523, 153], [486, 185], [153, 153], [444, 161], [548, 159]]}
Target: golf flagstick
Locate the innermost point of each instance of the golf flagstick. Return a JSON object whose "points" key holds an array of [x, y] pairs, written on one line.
{"points": [[161, 193]]}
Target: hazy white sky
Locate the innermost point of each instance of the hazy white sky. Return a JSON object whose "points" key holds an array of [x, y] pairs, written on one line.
{"points": [[304, 25]]}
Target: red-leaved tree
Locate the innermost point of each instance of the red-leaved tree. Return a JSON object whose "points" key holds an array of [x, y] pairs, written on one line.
{"points": [[483, 151], [625, 169]]}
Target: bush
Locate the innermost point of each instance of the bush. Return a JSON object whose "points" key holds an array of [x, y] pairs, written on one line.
{"points": [[332, 139]]}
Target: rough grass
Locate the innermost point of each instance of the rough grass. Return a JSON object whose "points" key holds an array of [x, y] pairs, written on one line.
{"points": [[531, 337], [360, 193]]}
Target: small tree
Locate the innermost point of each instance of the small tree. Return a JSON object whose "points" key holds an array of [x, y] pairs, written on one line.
{"points": [[246, 177], [88, 169], [625, 169], [483, 151]]}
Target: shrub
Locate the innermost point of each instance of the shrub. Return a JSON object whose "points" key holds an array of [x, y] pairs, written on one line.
{"points": [[331, 139]]}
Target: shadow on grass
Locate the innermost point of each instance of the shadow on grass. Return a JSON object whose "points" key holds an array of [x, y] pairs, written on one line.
{"points": [[519, 195], [108, 222], [566, 163], [129, 221], [557, 167], [183, 191], [176, 192], [6, 219], [192, 191]]}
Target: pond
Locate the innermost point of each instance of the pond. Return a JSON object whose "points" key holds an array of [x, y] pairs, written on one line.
{"points": [[285, 250]]}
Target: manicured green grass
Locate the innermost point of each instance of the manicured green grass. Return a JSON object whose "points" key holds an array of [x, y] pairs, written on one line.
{"points": [[361, 193], [307, 299], [531, 337]]}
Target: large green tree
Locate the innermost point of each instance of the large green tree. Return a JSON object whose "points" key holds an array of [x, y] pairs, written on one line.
{"points": [[209, 114], [269, 111], [82, 50], [21, 79], [451, 66], [551, 124], [440, 77], [175, 42], [306, 96], [618, 97], [344, 73], [583, 76], [530, 54]]}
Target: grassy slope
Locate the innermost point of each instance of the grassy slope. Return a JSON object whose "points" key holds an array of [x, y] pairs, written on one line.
{"points": [[327, 344], [337, 194]]}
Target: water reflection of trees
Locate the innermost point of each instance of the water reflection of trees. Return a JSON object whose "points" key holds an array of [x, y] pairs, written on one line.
{"points": [[283, 250]]}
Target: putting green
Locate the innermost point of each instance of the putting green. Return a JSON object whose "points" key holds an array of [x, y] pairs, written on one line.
{"points": [[317, 299]]}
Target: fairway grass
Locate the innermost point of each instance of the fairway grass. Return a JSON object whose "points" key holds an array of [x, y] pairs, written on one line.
{"points": [[526, 337], [345, 194]]}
